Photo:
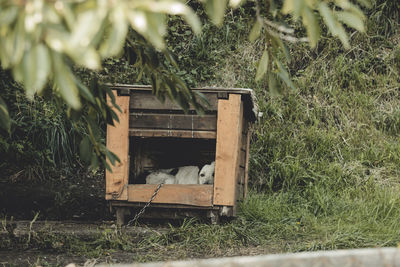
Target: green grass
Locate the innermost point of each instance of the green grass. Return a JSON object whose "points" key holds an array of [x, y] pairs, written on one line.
{"points": [[292, 221], [325, 161], [325, 158]]}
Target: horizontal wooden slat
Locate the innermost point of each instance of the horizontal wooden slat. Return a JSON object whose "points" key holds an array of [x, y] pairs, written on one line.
{"points": [[248, 98], [143, 100], [148, 88], [159, 205], [172, 133], [173, 121], [195, 195]]}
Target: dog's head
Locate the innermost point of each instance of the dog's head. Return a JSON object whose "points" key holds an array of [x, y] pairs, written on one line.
{"points": [[206, 175]]}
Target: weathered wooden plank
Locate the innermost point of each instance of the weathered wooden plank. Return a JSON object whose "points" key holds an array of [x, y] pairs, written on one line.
{"points": [[160, 205], [229, 135], [241, 174], [172, 133], [240, 183], [148, 88], [244, 137], [118, 142], [195, 195], [246, 171], [242, 157], [173, 121], [144, 100]]}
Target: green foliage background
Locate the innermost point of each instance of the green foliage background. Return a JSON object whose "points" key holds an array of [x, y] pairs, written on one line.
{"points": [[325, 157]]}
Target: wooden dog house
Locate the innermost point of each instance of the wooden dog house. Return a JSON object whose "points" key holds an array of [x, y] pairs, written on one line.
{"points": [[153, 135]]}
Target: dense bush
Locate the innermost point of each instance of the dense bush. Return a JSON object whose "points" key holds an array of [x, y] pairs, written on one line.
{"points": [[42, 137]]}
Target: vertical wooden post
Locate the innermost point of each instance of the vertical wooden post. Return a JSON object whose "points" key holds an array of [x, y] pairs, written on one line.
{"points": [[246, 172], [229, 135], [118, 143]]}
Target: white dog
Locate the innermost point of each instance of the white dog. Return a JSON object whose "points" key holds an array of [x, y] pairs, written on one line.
{"points": [[183, 175], [187, 175], [159, 177], [206, 175]]}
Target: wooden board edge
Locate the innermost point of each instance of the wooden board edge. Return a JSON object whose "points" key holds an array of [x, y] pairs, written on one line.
{"points": [[172, 133], [117, 140], [229, 131], [194, 195], [246, 170]]}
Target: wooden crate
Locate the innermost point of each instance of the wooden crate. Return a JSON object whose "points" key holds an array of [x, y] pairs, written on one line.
{"points": [[152, 135]]}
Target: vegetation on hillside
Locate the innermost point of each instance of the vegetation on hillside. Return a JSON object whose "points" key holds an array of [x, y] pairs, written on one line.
{"points": [[325, 156], [41, 42]]}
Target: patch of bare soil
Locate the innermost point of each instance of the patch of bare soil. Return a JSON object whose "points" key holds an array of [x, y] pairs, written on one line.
{"points": [[55, 243], [46, 258], [37, 258], [74, 198]]}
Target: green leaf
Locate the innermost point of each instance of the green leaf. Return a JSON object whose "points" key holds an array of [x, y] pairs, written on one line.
{"points": [[293, 6], [94, 161], [85, 92], [111, 156], [342, 35], [138, 21], [255, 31], [8, 15], [42, 67], [57, 39], [116, 38], [366, 3], [273, 85], [235, 3], [328, 17], [262, 65], [298, 8], [5, 122], [112, 97], [16, 41], [203, 98], [94, 128], [148, 25], [28, 65], [35, 69], [216, 10], [86, 25], [175, 8], [278, 44], [350, 7], [88, 58], [108, 167], [312, 26], [284, 75], [65, 81], [171, 58], [334, 26], [85, 149], [351, 19], [288, 6]]}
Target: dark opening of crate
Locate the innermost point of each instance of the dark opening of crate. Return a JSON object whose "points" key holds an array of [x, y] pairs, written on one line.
{"points": [[150, 154]]}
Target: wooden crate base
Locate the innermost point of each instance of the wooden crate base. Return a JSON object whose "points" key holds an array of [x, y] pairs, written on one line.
{"points": [[125, 211], [195, 195]]}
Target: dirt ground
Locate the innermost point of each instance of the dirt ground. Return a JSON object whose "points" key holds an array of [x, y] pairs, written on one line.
{"points": [[34, 257], [74, 198], [47, 237], [39, 218]]}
